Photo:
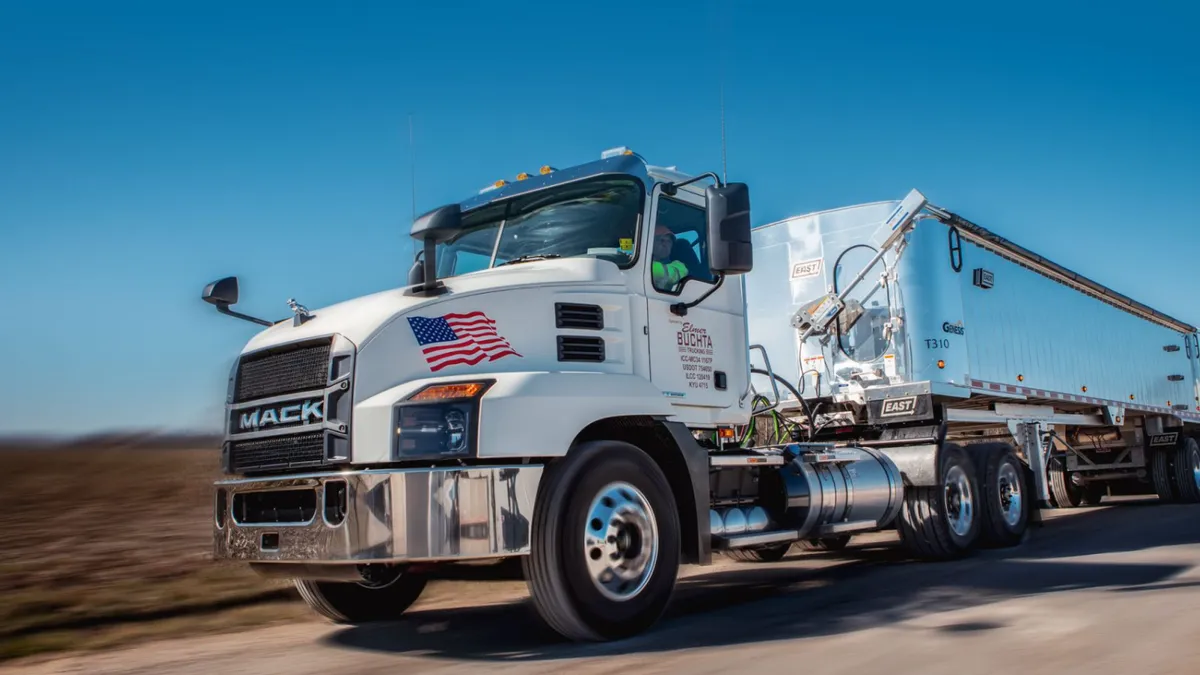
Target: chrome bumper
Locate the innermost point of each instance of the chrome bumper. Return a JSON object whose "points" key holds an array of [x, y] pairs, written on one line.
{"points": [[377, 516]]}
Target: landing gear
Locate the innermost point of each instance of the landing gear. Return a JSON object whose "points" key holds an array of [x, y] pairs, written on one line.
{"points": [[605, 543], [943, 521]]}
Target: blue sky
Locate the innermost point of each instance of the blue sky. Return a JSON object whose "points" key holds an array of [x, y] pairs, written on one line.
{"points": [[148, 148]]}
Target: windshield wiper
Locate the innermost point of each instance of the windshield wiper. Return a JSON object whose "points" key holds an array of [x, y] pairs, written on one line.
{"points": [[530, 258]]}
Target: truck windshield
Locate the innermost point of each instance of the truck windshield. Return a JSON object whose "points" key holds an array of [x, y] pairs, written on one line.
{"points": [[596, 218]]}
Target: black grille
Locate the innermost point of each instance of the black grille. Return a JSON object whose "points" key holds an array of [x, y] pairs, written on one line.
{"points": [[586, 317], [575, 348], [278, 453], [277, 372]]}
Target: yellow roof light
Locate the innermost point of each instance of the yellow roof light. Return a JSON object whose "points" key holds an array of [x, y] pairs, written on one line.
{"points": [[546, 170], [522, 176], [500, 183]]}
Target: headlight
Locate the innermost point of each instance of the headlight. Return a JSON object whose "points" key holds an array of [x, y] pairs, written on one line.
{"points": [[441, 420]]}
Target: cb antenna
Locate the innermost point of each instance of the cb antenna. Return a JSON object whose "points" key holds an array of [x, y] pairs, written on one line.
{"points": [[721, 78], [412, 166]]}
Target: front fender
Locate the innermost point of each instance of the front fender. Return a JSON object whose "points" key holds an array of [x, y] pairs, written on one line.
{"points": [[522, 415]]}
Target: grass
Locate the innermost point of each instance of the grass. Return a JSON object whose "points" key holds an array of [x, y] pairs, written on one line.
{"points": [[107, 545]]}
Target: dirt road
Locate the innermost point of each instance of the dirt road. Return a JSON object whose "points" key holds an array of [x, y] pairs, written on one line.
{"points": [[1096, 591]]}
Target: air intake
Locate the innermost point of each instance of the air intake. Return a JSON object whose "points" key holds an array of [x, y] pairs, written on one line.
{"points": [[583, 317], [576, 348]]}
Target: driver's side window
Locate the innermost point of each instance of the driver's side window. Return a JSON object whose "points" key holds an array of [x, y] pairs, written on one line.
{"points": [[680, 250]]}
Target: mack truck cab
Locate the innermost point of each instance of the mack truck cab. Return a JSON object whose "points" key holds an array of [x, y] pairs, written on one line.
{"points": [[565, 378]]}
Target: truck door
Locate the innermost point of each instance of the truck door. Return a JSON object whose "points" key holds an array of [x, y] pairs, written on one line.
{"points": [[698, 360]]}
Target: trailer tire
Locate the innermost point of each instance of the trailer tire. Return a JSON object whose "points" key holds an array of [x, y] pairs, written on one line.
{"points": [[605, 498], [1066, 495], [1187, 471], [355, 603], [826, 544], [773, 553], [1160, 476], [1005, 497], [927, 529]]}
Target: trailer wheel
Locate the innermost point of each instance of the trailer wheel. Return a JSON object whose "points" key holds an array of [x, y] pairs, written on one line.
{"points": [[773, 553], [605, 543], [942, 522], [1160, 476], [384, 598], [1066, 495], [1187, 471], [826, 544], [1005, 496]]}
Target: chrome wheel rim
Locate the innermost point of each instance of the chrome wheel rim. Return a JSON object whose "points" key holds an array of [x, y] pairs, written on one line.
{"points": [[960, 503], [1009, 491], [620, 541]]}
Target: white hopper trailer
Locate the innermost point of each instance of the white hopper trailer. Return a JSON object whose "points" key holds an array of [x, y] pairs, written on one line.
{"points": [[960, 336]]}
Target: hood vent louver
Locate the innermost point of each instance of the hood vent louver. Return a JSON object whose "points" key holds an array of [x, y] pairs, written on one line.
{"points": [[581, 317], [578, 348]]}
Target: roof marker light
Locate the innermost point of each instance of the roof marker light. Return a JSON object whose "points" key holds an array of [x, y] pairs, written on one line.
{"points": [[615, 152]]}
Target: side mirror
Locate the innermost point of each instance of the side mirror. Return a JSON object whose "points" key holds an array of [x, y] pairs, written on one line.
{"points": [[224, 292], [433, 228], [729, 248], [416, 273], [221, 292]]}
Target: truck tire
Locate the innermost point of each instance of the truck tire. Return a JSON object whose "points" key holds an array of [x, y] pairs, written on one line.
{"points": [[606, 502], [826, 544], [355, 603], [1160, 475], [773, 553], [1187, 471], [1005, 497], [942, 522]]}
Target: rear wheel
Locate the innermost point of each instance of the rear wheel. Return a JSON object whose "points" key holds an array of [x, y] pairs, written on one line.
{"points": [[1160, 475], [826, 544], [605, 543], [773, 553], [1005, 496], [942, 522], [384, 597], [1187, 471]]}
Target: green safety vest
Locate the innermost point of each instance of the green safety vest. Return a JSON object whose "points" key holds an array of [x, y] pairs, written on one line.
{"points": [[671, 273]]}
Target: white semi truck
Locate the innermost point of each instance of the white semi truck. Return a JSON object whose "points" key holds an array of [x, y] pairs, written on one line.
{"points": [[606, 371]]}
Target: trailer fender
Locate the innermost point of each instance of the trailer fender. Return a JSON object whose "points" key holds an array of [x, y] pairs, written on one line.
{"points": [[918, 464]]}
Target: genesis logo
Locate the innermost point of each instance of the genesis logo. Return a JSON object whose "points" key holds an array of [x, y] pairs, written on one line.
{"points": [[956, 328], [898, 407], [281, 415]]}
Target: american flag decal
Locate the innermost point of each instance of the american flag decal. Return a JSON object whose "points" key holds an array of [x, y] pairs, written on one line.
{"points": [[459, 339]]}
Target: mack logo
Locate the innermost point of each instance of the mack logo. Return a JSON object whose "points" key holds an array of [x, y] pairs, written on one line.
{"points": [[277, 415], [898, 407], [956, 328], [1164, 439]]}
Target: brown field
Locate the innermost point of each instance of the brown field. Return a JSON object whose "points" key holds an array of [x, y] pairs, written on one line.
{"points": [[109, 544], [106, 544]]}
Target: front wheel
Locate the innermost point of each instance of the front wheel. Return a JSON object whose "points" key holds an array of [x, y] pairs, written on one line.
{"points": [[604, 553], [383, 597]]}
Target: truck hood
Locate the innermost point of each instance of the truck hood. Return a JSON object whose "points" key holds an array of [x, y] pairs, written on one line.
{"points": [[360, 319]]}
